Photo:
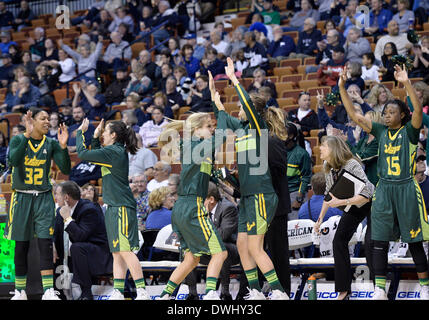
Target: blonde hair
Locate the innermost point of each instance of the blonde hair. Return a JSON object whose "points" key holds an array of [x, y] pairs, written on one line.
{"points": [[157, 197], [375, 116], [375, 92], [340, 153], [275, 119], [424, 88]]}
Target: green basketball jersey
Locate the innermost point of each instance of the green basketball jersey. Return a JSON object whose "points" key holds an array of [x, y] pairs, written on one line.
{"points": [[30, 160], [396, 151]]}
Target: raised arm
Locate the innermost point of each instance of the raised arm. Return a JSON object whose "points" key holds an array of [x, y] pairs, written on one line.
{"points": [[359, 119]]}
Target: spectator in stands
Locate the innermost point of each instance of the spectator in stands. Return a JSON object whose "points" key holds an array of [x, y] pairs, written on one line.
{"points": [[354, 73], [160, 100], [166, 71], [387, 68], [221, 46], [263, 33], [369, 69], [399, 39], [46, 81], [138, 185], [139, 82], [67, 111], [26, 97], [174, 98], [116, 55], [281, 46], [266, 93], [299, 169], [212, 63], [29, 64], [85, 60], [144, 61], [24, 16], [199, 50], [378, 19], [100, 26], [324, 8], [78, 116], [119, 17], [15, 54], [65, 66], [422, 91], [191, 63], [378, 96], [337, 156], [298, 20], [173, 184], [329, 73], [307, 40], [85, 40], [37, 45], [54, 121], [356, 46], [88, 95], [6, 17], [304, 116], [51, 52], [5, 42], [350, 17], [199, 98], [142, 161], [114, 93], [90, 192], [161, 172], [183, 81], [150, 130], [324, 49], [270, 15], [3, 149], [174, 48], [236, 42], [165, 15], [255, 54], [404, 16], [7, 105], [421, 59], [161, 201], [260, 80], [130, 119], [311, 208], [6, 70]]}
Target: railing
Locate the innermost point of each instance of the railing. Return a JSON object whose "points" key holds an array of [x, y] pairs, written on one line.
{"points": [[49, 6]]}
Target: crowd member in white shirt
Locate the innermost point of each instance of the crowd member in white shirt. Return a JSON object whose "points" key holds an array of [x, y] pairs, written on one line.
{"points": [[161, 173], [369, 69], [399, 39], [67, 65], [221, 46]]}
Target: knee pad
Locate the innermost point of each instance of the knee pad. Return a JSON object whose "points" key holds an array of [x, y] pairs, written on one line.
{"points": [[46, 254], [21, 252]]}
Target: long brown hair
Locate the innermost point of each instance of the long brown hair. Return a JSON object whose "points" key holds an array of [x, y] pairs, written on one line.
{"points": [[276, 122], [340, 153]]}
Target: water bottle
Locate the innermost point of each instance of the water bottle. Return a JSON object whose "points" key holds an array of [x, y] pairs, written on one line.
{"points": [[312, 288], [410, 23], [3, 209]]}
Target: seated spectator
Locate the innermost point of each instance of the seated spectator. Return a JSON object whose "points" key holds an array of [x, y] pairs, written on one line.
{"points": [[145, 61], [324, 9], [90, 15], [173, 184], [255, 54], [212, 63], [354, 73], [378, 20], [90, 192], [65, 66], [266, 93], [350, 17], [133, 103], [260, 80], [304, 116], [28, 64], [166, 71], [84, 224], [88, 95], [114, 93], [3, 149], [78, 116], [421, 59], [144, 160], [86, 61], [281, 46], [240, 61], [161, 202], [139, 83], [399, 39], [193, 12], [174, 98], [307, 40], [165, 58], [324, 50], [24, 16], [138, 185], [6, 17], [331, 25], [165, 14], [83, 172], [130, 119], [161, 173], [199, 49], [37, 45], [54, 122], [329, 73], [160, 100], [10, 96], [85, 40], [270, 15], [188, 61], [5, 42], [15, 54], [116, 55], [262, 35], [356, 46], [221, 46], [378, 96], [26, 97], [6, 70], [200, 98], [51, 52], [100, 26], [174, 48], [184, 82], [46, 82], [237, 42], [387, 67], [151, 130], [298, 20], [120, 16], [125, 33], [67, 111], [422, 91], [369, 69], [404, 16], [312, 207]]}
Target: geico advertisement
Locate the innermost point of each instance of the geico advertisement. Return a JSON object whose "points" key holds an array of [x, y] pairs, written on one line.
{"points": [[408, 290]]}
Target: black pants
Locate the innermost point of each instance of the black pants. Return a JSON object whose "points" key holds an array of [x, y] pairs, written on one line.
{"points": [[278, 245], [346, 227]]}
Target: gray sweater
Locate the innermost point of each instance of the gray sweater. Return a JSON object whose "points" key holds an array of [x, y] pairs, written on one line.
{"points": [[355, 50], [84, 64], [403, 21], [298, 18]]}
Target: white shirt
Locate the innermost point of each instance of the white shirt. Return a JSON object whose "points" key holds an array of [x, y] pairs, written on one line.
{"points": [[212, 213], [400, 41], [69, 70], [221, 47], [153, 184], [371, 73], [301, 113]]}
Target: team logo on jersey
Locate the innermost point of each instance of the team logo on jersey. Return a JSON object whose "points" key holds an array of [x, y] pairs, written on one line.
{"points": [[44, 151], [250, 226], [33, 162], [389, 149], [115, 243], [414, 233], [51, 231]]}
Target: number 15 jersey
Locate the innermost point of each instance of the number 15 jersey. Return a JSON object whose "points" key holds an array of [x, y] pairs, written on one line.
{"points": [[30, 160]]}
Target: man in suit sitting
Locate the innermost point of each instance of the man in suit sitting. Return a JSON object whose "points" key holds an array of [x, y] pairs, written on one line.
{"points": [[224, 215], [83, 222]]}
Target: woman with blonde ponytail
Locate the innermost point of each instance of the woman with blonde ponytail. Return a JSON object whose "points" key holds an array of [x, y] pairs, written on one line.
{"points": [[189, 218]]}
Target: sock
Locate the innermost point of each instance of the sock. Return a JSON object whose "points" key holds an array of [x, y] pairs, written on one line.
{"points": [[140, 283], [20, 282], [272, 279], [119, 284], [169, 289], [380, 281], [252, 278], [211, 284], [424, 281], [48, 282]]}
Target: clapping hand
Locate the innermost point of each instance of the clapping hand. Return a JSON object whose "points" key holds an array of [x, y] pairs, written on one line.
{"points": [[29, 126], [99, 130], [63, 135], [401, 75], [84, 125]]}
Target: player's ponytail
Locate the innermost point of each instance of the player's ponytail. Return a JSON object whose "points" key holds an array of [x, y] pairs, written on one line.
{"points": [[125, 135], [275, 120]]}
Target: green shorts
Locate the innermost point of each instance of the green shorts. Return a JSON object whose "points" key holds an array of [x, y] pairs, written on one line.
{"points": [[30, 215], [194, 228], [256, 212], [397, 210], [122, 230]]}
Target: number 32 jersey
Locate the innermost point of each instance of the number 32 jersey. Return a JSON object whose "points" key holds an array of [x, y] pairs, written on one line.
{"points": [[30, 160], [396, 151]]}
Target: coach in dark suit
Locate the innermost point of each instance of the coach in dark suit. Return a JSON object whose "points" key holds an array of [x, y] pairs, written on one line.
{"points": [[83, 222], [224, 215]]}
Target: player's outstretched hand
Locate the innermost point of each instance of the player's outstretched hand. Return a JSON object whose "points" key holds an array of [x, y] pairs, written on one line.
{"points": [[217, 101], [63, 135], [401, 75], [99, 130], [84, 125], [230, 70], [212, 87], [28, 121]]}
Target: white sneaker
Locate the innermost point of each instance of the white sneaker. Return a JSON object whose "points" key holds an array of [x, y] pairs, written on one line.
{"points": [[278, 295], [117, 295], [424, 292], [166, 297], [211, 295], [142, 294], [254, 295], [51, 294], [19, 295], [379, 294]]}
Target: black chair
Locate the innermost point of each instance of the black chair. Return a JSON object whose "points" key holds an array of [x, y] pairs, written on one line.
{"points": [[149, 237]]}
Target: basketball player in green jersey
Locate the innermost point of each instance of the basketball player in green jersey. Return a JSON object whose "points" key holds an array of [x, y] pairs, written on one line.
{"points": [[398, 208], [120, 216], [32, 206]]}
